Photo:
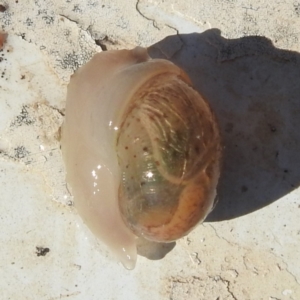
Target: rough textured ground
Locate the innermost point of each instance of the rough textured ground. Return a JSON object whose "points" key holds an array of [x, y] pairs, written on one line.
{"points": [[243, 56]]}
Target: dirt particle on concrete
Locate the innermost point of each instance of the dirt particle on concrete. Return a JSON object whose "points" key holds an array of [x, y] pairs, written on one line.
{"points": [[24, 118], [3, 37], [21, 152], [244, 189], [41, 251], [2, 8]]}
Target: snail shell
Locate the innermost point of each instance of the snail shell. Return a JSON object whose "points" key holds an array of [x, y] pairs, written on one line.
{"points": [[141, 149]]}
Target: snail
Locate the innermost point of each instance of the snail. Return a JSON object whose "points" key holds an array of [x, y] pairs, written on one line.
{"points": [[141, 149]]}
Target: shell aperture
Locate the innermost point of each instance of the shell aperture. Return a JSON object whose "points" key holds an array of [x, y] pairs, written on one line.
{"points": [[141, 149]]}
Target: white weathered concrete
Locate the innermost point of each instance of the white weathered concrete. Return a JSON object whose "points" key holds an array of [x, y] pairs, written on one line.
{"points": [[248, 248]]}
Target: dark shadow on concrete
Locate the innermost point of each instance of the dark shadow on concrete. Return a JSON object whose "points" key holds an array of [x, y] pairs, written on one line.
{"points": [[254, 89], [153, 250]]}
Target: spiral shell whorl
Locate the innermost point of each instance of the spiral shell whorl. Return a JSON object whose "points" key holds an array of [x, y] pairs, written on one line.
{"points": [[168, 151]]}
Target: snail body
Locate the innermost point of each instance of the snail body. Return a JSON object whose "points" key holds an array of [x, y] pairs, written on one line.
{"points": [[141, 149]]}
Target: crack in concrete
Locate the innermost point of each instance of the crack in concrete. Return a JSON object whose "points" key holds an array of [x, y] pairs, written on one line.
{"points": [[102, 43], [220, 237], [227, 283], [180, 38], [245, 264], [73, 21], [195, 280], [156, 26], [286, 268], [144, 16], [60, 111], [87, 30], [105, 43]]}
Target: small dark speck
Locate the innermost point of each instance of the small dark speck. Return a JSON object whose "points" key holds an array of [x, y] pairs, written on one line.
{"points": [[2, 8], [297, 9], [244, 189], [285, 171], [272, 128], [143, 183], [77, 9], [134, 156], [41, 251], [23, 77], [126, 148], [28, 22], [145, 149]]}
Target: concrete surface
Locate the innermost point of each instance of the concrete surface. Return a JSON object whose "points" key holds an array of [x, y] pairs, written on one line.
{"points": [[240, 56]]}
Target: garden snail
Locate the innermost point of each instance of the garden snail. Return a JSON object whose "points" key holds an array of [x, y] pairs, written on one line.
{"points": [[141, 149]]}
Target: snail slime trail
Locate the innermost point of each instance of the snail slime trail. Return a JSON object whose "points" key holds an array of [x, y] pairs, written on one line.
{"points": [[141, 149]]}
